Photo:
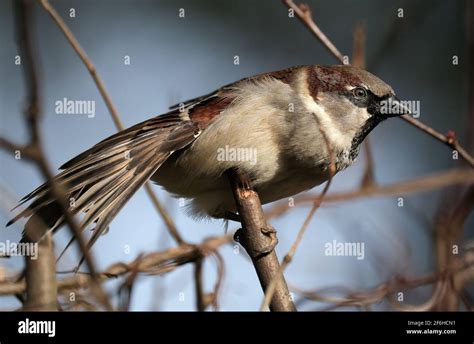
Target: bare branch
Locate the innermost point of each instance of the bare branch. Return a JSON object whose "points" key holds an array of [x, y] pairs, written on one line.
{"points": [[363, 298], [304, 13], [155, 263], [422, 184], [40, 276], [449, 140], [35, 152], [449, 223], [259, 240], [125, 291], [112, 109], [201, 303]]}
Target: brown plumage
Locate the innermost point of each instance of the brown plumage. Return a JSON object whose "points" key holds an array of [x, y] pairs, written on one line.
{"points": [[272, 114], [101, 180]]}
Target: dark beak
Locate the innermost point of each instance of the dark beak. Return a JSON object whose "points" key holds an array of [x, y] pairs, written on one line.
{"points": [[392, 107]]}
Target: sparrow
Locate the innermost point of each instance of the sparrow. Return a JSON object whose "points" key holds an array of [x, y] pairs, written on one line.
{"points": [[289, 120]]}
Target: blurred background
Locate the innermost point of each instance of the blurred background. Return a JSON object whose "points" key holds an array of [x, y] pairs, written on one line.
{"points": [[173, 59]]}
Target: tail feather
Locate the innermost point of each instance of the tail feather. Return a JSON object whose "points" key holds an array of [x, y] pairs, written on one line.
{"points": [[102, 179]]}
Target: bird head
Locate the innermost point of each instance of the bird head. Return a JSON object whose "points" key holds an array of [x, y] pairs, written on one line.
{"points": [[349, 103]]}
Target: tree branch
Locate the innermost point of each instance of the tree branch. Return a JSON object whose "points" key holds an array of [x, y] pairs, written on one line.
{"points": [[40, 276], [258, 240], [422, 184], [201, 303], [110, 105], [155, 263], [35, 154], [364, 298]]}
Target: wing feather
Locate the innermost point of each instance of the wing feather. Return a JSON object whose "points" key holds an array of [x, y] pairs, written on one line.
{"points": [[103, 178]]}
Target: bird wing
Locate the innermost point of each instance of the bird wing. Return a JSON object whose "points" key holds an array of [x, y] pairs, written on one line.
{"points": [[99, 181], [102, 179]]}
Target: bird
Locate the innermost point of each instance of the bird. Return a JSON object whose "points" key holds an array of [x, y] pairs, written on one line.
{"points": [[282, 129]]}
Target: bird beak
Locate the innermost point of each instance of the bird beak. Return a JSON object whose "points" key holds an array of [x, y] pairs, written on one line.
{"points": [[392, 107]]}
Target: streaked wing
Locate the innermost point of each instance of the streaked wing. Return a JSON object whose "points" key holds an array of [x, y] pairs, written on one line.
{"points": [[102, 179]]}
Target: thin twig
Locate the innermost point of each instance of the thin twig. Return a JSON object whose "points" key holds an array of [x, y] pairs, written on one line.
{"points": [[304, 13], [449, 227], [201, 303], [110, 105], [39, 273], [155, 263], [125, 291], [203, 299], [35, 144], [449, 140], [422, 184], [385, 290], [213, 298]]}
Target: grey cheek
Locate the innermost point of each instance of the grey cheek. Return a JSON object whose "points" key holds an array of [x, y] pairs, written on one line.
{"points": [[352, 118]]}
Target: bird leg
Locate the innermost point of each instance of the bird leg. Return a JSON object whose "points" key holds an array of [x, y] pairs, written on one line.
{"points": [[269, 232]]}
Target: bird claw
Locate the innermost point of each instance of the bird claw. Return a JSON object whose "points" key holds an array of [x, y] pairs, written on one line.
{"points": [[245, 184], [269, 232], [238, 236]]}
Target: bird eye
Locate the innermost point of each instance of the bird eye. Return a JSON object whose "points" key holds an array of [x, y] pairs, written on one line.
{"points": [[359, 92]]}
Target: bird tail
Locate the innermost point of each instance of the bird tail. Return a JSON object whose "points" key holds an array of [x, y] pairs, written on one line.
{"points": [[99, 181]]}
